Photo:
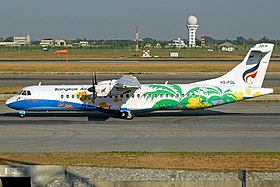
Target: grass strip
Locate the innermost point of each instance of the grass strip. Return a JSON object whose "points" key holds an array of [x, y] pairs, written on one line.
{"points": [[196, 161], [125, 67]]}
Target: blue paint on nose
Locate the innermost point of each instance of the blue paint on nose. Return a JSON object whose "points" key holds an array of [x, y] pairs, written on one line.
{"points": [[13, 103]]}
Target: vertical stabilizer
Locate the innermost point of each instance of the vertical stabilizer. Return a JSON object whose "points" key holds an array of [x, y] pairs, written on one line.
{"points": [[250, 72]]}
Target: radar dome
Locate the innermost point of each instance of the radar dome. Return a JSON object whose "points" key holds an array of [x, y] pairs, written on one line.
{"points": [[192, 20]]}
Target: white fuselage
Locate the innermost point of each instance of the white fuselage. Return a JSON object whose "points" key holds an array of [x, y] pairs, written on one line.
{"points": [[148, 97]]}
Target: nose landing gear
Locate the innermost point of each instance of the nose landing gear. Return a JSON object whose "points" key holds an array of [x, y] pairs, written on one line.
{"points": [[21, 113]]}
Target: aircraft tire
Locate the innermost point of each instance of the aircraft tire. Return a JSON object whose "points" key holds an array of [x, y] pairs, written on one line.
{"points": [[127, 115], [130, 116]]}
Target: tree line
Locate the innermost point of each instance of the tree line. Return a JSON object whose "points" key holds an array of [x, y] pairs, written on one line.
{"points": [[128, 43]]}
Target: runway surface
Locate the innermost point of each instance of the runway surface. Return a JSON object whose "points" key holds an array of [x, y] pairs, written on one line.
{"points": [[234, 127]]}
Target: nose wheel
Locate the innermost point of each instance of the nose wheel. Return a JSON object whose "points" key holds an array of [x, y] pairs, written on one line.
{"points": [[21, 113]]}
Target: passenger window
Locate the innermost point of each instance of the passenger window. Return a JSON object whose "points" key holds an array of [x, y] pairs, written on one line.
{"points": [[177, 95], [166, 95], [73, 96], [138, 95], [28, 92], [127, 95], [155, 95], [67, 96], [24, 92], [78, 96], [121, 96], [61, 96], [161, 95], [144, 95], [132, 95]]}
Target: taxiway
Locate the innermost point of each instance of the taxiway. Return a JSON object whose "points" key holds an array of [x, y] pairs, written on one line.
{"points": [[242, 127]]}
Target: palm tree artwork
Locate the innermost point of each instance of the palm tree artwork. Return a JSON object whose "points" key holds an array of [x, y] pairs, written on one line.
{"points": [[171, 96]]}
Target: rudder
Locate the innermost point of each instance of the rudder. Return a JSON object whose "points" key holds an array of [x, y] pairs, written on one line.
{"points": [[250, 72]]}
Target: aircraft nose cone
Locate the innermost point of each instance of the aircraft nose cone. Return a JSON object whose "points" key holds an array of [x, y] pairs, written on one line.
{"points": [[11, 103], [8, 102]]}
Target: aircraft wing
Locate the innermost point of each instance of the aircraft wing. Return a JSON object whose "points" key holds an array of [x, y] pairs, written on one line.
{"points": [[128, 82]]}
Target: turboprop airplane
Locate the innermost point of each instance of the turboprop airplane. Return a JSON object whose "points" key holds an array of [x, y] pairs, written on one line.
{"points": [[126, 96]]}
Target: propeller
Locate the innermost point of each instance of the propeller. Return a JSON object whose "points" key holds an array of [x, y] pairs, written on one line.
{"points": [[94, 82]]}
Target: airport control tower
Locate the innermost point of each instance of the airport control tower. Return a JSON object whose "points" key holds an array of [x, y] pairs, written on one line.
{"points": [[192, 27]]}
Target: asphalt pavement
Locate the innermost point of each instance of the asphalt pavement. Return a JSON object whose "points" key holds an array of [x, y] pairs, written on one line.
{"points": [[249, 127]]}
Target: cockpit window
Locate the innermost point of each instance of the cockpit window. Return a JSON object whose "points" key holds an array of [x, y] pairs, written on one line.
{"points": [[20, 92], [24, 92]]}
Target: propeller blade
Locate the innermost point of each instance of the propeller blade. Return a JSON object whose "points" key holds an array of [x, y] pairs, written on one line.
{"points": [[94, 82], [95, 79]]}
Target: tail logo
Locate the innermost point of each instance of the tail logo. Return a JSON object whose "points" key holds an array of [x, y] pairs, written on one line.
{"points": [[251, 73]]}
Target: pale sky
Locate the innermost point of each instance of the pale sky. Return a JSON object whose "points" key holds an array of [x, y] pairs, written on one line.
{"points": [[159, 19]]}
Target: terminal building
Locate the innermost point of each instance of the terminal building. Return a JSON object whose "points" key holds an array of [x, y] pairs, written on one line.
{"points": [[228, 47], [18, 41], [178, 43], [22, 40], [47, 43], [52, 43]]}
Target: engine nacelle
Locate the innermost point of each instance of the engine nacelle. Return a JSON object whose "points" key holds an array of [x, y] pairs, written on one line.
{"points": [[104, 88]]}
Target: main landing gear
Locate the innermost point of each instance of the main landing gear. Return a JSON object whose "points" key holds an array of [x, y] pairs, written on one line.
{"points": [[127, 115]]}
